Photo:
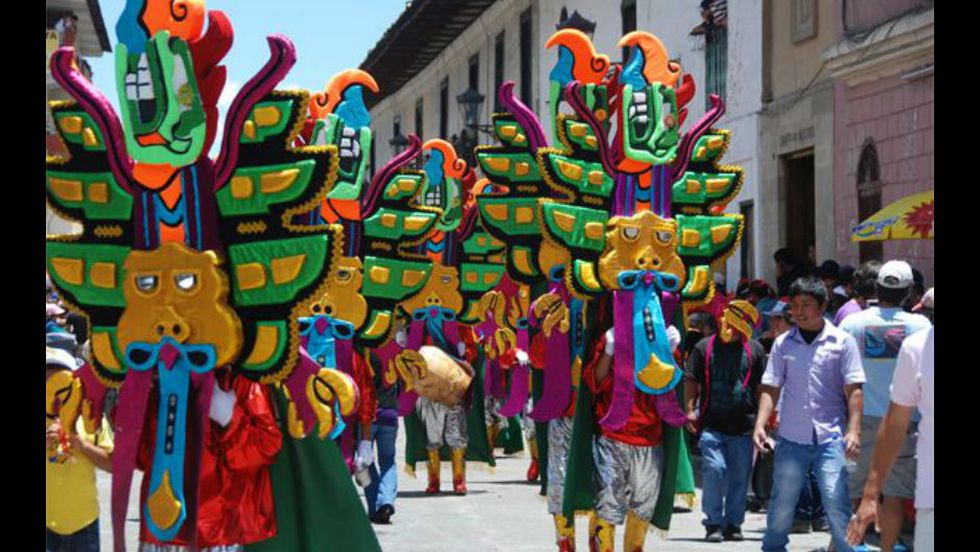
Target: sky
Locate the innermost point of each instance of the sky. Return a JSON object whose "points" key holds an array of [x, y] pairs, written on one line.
{"points": [[330, 36]]}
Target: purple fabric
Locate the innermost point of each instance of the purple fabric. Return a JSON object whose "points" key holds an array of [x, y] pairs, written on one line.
{"points": [[296, 385], [130, 415], [524, 116], [668, 302], [623, 369], [386, 173], [344, 355], [407, 399], [387, 417], [582, 110], [669, 409], [811, 378], [846, 309], [519, 391], [281, 59], [556, 389], [99, 108]]}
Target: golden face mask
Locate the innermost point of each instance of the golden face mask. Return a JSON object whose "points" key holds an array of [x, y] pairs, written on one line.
{"points": [[737, 321], [441, 290], [176, 292], [343, 299], [643, 241]]}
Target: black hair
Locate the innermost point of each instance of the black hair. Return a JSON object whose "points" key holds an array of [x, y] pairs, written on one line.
{"points": [[761, 288], [892, 296], [846, 274], [809, 285], [865, 278], [828, 270], [785, 256], [918, 281], [701, 319]]}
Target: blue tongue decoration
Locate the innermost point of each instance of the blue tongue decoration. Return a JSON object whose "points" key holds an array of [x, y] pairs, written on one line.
{"points": [[166, 508], [435, 318], [321, 333], [649, 330]]}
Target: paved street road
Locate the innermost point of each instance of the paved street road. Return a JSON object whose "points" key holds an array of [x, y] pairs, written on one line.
{"points": [[501, 513]]}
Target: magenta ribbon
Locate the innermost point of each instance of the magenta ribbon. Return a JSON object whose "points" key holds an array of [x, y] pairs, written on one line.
{"points": [[556, 389], [623, 386], [407, 399], [669, 409], [130, 418], [305, 368], [519, 373], [92, 390]]}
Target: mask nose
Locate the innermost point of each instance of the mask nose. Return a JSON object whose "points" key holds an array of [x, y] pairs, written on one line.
{"points": [[172, 325], [433, 300], [648, 260]]}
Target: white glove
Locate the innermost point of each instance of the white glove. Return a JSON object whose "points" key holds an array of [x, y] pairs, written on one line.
{"points": [[522, 357], [461, 348], [222, 406], [673, 337], [364, 456], [610, 341], [401, 338]]}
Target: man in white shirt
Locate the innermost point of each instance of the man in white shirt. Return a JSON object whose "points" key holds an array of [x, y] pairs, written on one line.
{"points": [[913, 388], [879, 332]]}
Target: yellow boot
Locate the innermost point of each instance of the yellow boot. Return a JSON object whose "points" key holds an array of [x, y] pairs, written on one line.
{"points": [[565, 532], [603, 536], [434, 461], [459, 471], [635, 534]]}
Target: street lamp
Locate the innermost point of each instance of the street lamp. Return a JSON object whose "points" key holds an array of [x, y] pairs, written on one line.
{"points": [[398, 143], [469, 107]]}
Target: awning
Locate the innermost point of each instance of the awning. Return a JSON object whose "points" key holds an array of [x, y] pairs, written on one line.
{"points": [[910, 218]]}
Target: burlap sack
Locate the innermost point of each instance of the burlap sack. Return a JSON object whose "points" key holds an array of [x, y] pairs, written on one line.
{"points": [[445, 381]]}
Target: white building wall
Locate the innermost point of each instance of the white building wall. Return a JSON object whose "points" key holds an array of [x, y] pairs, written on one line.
{"points": [[671, 22]]}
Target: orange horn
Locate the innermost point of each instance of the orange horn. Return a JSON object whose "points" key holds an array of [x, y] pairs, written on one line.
{"points": [[590, 66], [323, 103], [658, 67], [452, 165]]}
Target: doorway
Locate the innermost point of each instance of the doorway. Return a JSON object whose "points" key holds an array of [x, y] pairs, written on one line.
{"points": [[798, 177]]}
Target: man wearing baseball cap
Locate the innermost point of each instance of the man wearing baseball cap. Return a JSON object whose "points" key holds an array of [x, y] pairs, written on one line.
{"points": [[879, 332]]}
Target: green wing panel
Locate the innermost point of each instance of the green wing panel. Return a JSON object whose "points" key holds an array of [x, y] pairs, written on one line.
{"points": [[275, 272], [92, 274], [396, 225], [576, 227], [708, 237], [394, 279], [253, 190], [96, 194]]}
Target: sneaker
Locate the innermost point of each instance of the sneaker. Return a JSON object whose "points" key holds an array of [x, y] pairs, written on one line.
{"points": [[861, 548], [713, 533], [383, 515], [732, 533], [820, 526], [800, 527]]}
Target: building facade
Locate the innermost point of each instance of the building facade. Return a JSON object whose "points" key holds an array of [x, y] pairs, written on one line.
{"points": [[882, 62]]}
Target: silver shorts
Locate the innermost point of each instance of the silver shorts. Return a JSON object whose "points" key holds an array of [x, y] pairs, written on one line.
{"points": [[559, 440], [527, 424], [901, 479], [627, 478], [443, 424]]}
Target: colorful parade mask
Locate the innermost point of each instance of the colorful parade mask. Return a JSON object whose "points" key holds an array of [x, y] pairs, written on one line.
{"points": [[737, 321]]}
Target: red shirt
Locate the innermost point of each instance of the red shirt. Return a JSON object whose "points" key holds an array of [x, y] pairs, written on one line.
{"points": [[644, 428], [364, 378], [235, 504]]}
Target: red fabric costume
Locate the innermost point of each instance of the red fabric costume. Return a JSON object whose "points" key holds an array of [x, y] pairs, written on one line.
{"points": [[364, 377], [643, 427], [235, 504]]}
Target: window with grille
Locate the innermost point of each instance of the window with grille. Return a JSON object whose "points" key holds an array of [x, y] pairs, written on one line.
{"points": [[716, 62], [869, 196], [444, 108], [525, 46]]}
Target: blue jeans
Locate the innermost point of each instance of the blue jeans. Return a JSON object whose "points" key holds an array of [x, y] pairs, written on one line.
{"points": [[809, 507], [790, 474], [726, 463], [384, 485], [83, 540]]}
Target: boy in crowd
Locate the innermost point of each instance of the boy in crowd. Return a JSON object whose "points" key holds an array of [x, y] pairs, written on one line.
{"points": [[817, 369]]}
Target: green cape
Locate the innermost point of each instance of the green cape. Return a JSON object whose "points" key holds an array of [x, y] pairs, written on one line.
{"points": [[580, 474], [511, 439], [317, 506], [478, 448]]}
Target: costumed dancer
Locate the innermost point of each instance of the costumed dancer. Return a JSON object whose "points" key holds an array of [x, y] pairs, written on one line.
{"points": [[192, 272], [626, 239]]}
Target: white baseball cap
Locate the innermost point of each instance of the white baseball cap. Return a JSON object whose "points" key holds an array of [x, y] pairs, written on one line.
{"points": [[60, 358], [895, 275]]}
